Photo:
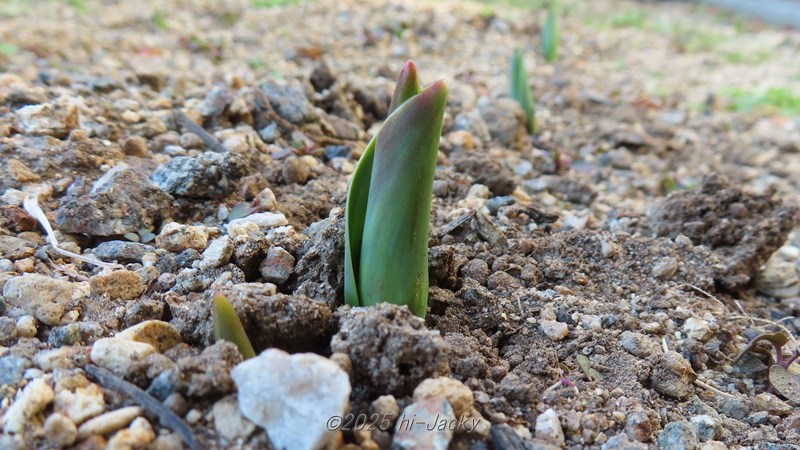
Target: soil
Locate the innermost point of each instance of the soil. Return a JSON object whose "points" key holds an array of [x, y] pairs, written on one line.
{"points": [[609, 267]]}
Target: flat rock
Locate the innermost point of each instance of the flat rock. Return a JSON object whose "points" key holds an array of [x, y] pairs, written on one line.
{"points": [[290, 102], [161, 335], [43, 297], [109, 422], [208, 175], [121, 201], [292, 396], [122, 251], [118, 284], [119, 355]]}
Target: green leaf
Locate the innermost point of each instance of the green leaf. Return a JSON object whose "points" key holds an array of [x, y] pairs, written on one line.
{"points": [[521, 90], [393, 264], [228, 327], [131, 237], [356, 208], [550, 33]]}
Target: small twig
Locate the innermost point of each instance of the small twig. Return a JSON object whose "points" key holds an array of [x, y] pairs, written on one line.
{"points": [[711, 296], [210, 142], [707, 386], [31, 205], [150, 404]]}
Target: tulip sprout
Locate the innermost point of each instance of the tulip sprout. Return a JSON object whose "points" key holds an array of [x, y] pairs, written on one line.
{"points": [[521, 90], [550, 33], [228, 327], [389, 201]]}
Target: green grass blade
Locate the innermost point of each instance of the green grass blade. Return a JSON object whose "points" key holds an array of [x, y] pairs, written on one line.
{"points": [[228, 327], [521, 90], [550, 33], [394, 251], [357, 197]]}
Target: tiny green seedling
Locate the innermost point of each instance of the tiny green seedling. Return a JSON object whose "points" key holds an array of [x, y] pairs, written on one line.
{"points": [[551, 35], [228, 327], [521, 90], [389, 201], [240, 210], [143, 235]]}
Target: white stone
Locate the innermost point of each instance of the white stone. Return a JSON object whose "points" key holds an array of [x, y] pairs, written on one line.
{"points": [[34, 398], [697, 329], [118, 355], [26, 326], [217, 254], [84, 403], [228, 421], [175, 237], [591, 322], [548, 428], [292, 396], [109, 422], [554, 330], [262, 220]]}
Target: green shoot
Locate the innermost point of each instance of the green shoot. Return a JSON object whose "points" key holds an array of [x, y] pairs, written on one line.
{"points": [[551, 35], [521, 90], [228, 327], [388, 204]]}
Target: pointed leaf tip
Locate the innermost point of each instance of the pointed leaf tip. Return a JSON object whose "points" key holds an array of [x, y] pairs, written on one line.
{"points": [[407, 86]]}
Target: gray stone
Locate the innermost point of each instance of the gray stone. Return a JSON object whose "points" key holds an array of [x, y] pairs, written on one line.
{"points": [[64, 335], [548, 428], [12, 368], [290, 102], [208, 175], [277, 267], [292, 397], [707, 428], [121, 201], [677, 436], [122, 251]]}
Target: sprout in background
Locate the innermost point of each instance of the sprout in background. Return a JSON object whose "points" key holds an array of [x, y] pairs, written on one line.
{"points": [[521, 90], [228, 327], [550, 33], [389, 201]]}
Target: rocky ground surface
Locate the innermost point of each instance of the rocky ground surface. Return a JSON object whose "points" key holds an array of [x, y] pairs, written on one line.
{"points": [[591, 285]]}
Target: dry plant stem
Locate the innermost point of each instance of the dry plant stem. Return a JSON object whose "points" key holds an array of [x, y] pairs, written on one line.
{"points": [[286, 125], [110, 381], [210, 142], [31, 205], [707, 386], [712, 297]]}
